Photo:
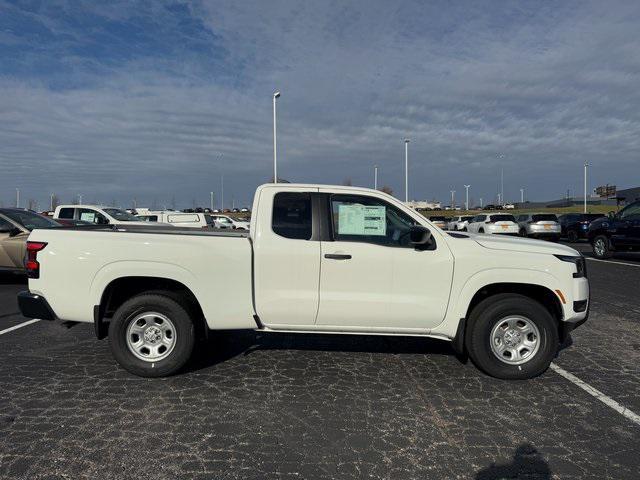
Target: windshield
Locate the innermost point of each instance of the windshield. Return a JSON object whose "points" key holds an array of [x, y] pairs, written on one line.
{"points": [[121, 215], [466, 219], [544, 217], [30, 220], [502, 218], [437, 219]]}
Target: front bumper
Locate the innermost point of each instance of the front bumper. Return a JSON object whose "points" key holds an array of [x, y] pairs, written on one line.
{"points": [[35, 306]]}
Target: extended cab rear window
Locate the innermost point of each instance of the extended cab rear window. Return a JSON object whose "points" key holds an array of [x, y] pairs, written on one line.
{"points": [[292, 215]]}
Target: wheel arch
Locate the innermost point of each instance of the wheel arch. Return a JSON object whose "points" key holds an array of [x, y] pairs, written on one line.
{"points": [[121, 289]]}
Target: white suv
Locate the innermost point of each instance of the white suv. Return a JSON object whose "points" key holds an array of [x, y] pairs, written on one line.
{"points": [[494, 223], [459, 223], [539, 225]]}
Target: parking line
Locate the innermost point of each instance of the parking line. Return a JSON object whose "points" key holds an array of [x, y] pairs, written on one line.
{"points": [[15, 327], [615, 263], [610, 402]]}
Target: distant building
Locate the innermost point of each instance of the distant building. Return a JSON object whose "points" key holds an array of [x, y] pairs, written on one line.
{"points": [[424, 205], [628, 195]]}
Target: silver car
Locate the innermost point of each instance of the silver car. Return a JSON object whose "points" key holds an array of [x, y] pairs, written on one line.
{"points": [[539, 225]]}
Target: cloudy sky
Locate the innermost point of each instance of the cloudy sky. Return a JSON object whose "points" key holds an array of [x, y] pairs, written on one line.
{"points": [[157, 100]]}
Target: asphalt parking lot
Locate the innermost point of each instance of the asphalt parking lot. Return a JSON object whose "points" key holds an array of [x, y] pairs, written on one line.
{"points": [[282, 406]]}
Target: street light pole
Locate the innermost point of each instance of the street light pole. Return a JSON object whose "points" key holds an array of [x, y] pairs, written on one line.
{"points": [[522, 195], [466, 205], [17, 198], [211, 202], [453, 195], [375, 177], [222, 194], [406, 170], [79, 199], [51, 203], [275, 143], [585, 186]]}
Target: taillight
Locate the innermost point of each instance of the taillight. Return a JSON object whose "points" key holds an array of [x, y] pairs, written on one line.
{"points": [[31, 261]]}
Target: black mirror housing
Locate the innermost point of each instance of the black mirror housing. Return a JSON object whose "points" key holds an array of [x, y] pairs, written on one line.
{"points": [[14, 231], [419, 235]]}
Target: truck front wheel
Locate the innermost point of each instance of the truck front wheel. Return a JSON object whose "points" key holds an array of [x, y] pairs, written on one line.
{"points": [[511, 336], [151, 335], [602, 247]]}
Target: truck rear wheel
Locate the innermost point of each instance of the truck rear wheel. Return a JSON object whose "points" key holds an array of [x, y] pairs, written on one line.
{"points": [[151, 335], [511, 336]]}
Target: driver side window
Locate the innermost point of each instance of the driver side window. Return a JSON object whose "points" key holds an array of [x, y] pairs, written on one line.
{"points": [[369, 220], [632, 212]]}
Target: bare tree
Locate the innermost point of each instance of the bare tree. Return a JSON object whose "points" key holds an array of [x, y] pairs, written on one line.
{"points": [[55, 201], [387, 189], [32, 204], [347, 182]]}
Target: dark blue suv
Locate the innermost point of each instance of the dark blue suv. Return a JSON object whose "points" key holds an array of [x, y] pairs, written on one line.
{"points": [[618, 232]]}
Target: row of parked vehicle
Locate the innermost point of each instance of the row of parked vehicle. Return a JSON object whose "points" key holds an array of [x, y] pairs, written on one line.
{"points": [[92, 214], [615, 232]]}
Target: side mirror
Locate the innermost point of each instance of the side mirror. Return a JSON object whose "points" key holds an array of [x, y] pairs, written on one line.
{"points": [[14, 231], [419, 235], [611, 214]]}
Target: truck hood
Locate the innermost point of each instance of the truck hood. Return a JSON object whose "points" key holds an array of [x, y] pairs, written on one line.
{"points": [[517, 244]]}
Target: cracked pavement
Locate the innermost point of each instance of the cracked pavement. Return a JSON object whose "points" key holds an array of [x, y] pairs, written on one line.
{"points": [[261, 406]]}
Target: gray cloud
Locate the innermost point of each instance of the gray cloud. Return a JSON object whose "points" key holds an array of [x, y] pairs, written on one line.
{"points": [[548, 85]]}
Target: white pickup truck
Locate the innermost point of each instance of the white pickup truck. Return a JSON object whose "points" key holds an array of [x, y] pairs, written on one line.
{"points": [[321, 259]]}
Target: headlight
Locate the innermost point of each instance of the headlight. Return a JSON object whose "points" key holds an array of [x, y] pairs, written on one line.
{"points": [[580, 263]]}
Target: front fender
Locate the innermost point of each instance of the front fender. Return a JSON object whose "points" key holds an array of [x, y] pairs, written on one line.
{"points": [[484, 278]]}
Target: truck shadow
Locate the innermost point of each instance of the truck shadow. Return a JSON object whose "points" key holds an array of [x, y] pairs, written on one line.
{"points": [[527, 463], [223, 346]]}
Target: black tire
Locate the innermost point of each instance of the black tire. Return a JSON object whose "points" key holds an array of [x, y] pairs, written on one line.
{"points": [[167, 305], [481, 230], [572, 236], [602, 247], [488, 313], [523, 232]]}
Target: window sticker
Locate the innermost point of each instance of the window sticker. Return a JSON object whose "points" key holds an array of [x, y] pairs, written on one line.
{"points": [[88, 217], [354, 219]]}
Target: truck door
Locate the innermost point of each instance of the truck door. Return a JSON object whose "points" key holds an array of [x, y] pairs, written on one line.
{"points": [[629, 225], [286, 258], [371, 276]]}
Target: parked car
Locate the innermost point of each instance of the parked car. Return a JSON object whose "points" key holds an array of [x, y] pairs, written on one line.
{"points": [[539, 225], [179, 219], [575, 226], [225, 221], [440, 222], [618, 232], [494, 223], [95, 214], [317, 259], [459, 223], [15, 226]]}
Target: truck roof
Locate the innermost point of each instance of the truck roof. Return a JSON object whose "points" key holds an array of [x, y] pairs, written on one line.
{"points": [[329, 187]]}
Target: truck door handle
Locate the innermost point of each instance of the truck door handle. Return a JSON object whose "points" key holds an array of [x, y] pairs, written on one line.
{"points": [[337, 256]]}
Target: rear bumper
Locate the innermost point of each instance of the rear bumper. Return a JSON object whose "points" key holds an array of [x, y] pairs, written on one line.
{"points": [[35, 306], [547, 234]]}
